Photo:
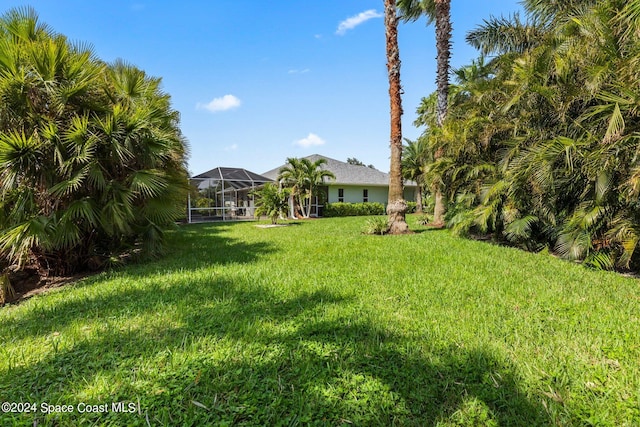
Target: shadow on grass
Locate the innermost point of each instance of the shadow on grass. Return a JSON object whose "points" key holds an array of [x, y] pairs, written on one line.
{"points": [[240, 353], [427, 230], [195, 249]]}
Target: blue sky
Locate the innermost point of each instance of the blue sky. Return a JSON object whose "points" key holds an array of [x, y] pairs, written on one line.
{"points": [[259, 81]]}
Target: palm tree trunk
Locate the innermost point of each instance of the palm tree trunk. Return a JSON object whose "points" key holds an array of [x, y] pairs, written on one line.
{"points": [[419, 199], [443, 47], [300, 206], [397, 207]]}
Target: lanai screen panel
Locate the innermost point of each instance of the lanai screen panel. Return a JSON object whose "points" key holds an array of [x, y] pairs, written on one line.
{"points": [[224, 193]]}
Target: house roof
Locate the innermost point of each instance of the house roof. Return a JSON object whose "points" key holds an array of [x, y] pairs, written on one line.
{"points": [[346, 174], [233, 177]]}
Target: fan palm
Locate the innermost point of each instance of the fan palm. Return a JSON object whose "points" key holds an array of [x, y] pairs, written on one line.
{"points": [[90, 171]]}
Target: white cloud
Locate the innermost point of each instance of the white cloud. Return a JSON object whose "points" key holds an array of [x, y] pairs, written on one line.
{"points": [[354, 21], [297, 71], [232, 147], [224, 103], [311, 140]]}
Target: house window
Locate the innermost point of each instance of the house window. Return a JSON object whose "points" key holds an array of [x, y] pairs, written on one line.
{"points": [[365, 195], [341, 195]]}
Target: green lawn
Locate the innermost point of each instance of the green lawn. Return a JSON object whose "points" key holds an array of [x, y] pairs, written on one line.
{"points": [[318, 324]]}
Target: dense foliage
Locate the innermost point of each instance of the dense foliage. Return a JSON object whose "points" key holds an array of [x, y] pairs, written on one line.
{"points": [[541, 144], [304, 177], [272, 201], [91, 156], [338, 209]]}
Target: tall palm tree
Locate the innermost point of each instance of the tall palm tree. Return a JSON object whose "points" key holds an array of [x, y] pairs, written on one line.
{"points": [[304, 177], [397, 207], [438, 11]]}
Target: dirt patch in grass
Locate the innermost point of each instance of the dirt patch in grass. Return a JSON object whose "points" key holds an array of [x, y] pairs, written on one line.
{"points": [[27, 283]]}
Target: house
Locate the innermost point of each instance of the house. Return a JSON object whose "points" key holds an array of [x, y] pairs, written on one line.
{"points": [[353, 184]]}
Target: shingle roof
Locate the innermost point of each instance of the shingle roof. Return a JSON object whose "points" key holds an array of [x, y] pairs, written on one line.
{"points": [[345, 173]]}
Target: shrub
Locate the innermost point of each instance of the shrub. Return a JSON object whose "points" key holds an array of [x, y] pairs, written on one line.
{"points": [[92, 160], [353, 209], [378, 225], [272, 201], [423, 219], [204, 202]]}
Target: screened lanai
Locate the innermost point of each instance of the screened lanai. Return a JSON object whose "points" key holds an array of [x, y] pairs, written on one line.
{"points": [[223, 194]]}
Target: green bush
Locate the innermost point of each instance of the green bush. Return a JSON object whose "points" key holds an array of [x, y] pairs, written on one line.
{"points": [[272, 201], [379, 225], [92, 160], [353, 209], [423, 219], [411, 207], [204, 202]]}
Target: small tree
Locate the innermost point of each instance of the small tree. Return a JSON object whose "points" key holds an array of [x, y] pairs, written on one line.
{"points": [[415, 156], [304, 177], [272, 201]]}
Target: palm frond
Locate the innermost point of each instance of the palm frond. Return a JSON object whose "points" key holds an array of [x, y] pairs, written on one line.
{"points": [[64, 188], [520, 229], [506, 35], [574, 244], [150, 182]]}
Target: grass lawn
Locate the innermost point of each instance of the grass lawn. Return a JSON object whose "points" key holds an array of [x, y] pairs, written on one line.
{"points": [[317, 324]]}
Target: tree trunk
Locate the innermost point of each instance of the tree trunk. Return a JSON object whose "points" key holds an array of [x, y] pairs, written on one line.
{"points": [[397, 207], [443, 47], [439, 208], [419, 199], [300, 207]]}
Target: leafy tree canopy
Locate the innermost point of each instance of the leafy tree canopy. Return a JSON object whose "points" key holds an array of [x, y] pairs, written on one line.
{"points": [[354, 161]]}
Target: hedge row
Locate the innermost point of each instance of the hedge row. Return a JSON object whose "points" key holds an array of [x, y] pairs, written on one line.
{"points": [[359, 209], [353, 209]]}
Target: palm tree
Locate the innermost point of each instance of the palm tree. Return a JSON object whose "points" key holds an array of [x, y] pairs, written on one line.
{"points": [[440, 12], [565, 153], [415, 157], [397, 206], [506, 35], [304, 177], [271, 201], [89, 171]]}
